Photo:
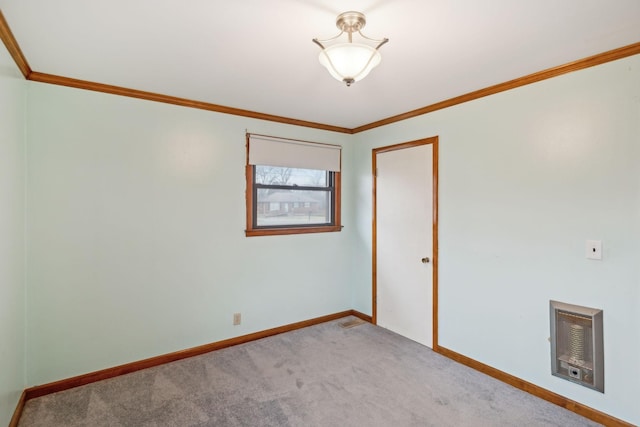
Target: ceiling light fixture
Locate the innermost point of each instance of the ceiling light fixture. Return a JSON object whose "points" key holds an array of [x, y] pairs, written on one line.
{"points": [[350, 62]]}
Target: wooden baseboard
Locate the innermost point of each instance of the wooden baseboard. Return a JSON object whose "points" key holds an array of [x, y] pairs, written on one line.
{"points": [[18, 412], [42, 390], [362, 316], [573, 406], [103, 374]]}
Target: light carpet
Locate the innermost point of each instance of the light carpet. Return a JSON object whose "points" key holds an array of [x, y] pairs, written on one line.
{"points": [[323, 375]]}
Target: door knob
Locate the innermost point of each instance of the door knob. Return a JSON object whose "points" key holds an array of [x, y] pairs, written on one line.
{"points": [[425, 260]]}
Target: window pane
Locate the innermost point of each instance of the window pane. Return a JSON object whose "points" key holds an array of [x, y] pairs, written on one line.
{"points": [[271, 175], [293, 207]]}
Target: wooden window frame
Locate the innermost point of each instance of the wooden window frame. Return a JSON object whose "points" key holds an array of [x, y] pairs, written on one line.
{"points": [[252, 231]]}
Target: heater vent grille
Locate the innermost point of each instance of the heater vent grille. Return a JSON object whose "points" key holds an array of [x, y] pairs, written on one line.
{"points": [[576, 344]]}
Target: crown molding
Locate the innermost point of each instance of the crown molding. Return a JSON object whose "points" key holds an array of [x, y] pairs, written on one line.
{"points": [[581, 64], [12, 46], [183, 102], [16, 53]]}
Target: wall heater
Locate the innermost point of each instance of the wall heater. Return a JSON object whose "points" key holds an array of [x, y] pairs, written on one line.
{"points": [[577, 351]]}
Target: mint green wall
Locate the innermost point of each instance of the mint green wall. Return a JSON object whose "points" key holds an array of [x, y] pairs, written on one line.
{"points": [[526, 177], [136, 218], [12, 215], [136, 234]]}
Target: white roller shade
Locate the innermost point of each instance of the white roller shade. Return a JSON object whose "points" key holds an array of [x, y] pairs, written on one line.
{"points": [[271, 151]]}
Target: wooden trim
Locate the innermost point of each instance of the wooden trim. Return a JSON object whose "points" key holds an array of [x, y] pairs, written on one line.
{"points": [[434, 228], [362, 316], [403, 145], [249, 198], [156, 97], [434, 242], [15, 419], [374, 237], [42, 390], [288, 231], [255, 232], [12, 46], [571, 405], [80, 380], [14, 49], [549, 73], [337, 198]]}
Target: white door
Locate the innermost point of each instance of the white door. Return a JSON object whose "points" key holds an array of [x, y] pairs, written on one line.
{"points": [[404, 225]]}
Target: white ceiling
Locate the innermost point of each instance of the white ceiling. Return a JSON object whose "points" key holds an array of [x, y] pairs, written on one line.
{"points": [[257, 55]]}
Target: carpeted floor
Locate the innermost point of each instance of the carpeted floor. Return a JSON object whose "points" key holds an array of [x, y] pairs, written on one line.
{"points": [[324, 375]]}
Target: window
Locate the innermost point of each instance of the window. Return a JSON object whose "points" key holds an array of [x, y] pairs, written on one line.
{"points": [[285, 197], [292, 186]]}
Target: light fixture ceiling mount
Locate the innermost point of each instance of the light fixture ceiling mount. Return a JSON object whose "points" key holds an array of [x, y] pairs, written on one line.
{"points": [[349, 61], [350, 22]]}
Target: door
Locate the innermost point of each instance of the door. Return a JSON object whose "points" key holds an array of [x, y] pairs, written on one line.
{"points": [[405, 239]]}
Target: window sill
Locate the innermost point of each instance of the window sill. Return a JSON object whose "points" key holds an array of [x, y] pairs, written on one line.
{"points": [[292, 230]]}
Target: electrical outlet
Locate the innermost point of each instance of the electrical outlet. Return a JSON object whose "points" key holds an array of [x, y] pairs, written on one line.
{"points": [[594, 249], [237, 318]]}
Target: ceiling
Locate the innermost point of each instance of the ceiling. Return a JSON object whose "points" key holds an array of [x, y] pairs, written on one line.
{"points": [[257, 55]]}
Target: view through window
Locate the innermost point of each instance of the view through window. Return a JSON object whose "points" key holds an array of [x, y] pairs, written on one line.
{"points": [[290, 196]]}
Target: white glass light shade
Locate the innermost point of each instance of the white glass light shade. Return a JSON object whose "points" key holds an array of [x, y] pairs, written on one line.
{"points": [[349, 62]]}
